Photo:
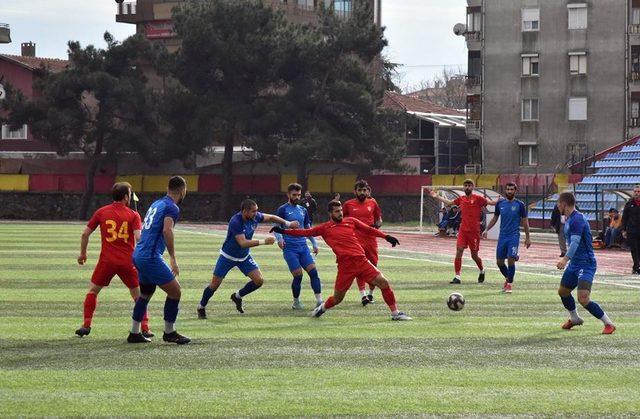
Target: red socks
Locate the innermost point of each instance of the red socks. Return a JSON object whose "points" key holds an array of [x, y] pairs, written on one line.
{"points": [[457, 264], [90, 302], [329, 303], [389, 298]]}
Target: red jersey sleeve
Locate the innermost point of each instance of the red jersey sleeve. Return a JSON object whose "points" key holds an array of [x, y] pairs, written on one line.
{"points": [[482, 201], [359, 225], [94, 222], [136, 224], [377, 212], [306, 232], [457, 201]]}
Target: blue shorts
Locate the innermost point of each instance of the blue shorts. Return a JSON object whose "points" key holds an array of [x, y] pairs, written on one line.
{"points": [[153, 271], [508, 247], [298, 258], [224, 265], [574, 274]]}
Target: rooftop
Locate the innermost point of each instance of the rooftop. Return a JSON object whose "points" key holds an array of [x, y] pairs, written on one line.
{"points": [[53, 64], [411, 104]]}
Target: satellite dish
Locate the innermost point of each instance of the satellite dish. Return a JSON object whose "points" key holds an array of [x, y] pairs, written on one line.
{"points": [[460, 29], [2, 92]]}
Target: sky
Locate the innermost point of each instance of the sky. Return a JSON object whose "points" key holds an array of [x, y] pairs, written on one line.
{"points": [[420, 32]]}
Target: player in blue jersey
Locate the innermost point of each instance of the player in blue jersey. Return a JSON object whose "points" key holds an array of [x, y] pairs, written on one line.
{"points": [[295, 250], [235, 253], [582, 266], [157, 235], [512, 213]]}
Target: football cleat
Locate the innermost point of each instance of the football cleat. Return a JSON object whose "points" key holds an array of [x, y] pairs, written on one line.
{"points": [[507, 288], [365, 301], [147, 334], [297, 305], [608, 329], [455, 281], [319, 311], [319, 303], [481, 278], [238, 302], [175, 337], [370, 297], [83, 331], [569, 324], [401, 317], [137, 338], [202, 313]]}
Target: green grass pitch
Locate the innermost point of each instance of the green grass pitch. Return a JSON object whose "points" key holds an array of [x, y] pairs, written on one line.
{"points": [[501, 355]]}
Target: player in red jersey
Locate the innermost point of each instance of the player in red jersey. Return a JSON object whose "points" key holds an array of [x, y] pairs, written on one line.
{"points": [[471, 206], [367, 210], [120, 230], [340, 235]]}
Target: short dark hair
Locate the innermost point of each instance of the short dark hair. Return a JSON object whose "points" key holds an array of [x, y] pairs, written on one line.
{"points": [[361, 184], [294, 187], [567, 198], [120, 190], [468, 182], [177, 183], [333, 204], [248, 204], [511, 184]]}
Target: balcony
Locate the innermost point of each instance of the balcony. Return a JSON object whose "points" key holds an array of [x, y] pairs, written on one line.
{"points": [[474, 40], [5, 33], [474, 128], [634, 122], [474, 3], [136, 11], [473, 84]]}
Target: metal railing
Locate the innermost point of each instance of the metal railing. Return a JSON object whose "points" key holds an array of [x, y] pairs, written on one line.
{"points": [[127, 8], [634, 76], [473, 81], [474, 124], [473, 36], [634, 29], [634, 122]]}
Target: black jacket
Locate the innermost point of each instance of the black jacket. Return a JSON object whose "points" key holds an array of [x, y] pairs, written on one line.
{"points": [[631, 217], [310, 204], [556, 219]]}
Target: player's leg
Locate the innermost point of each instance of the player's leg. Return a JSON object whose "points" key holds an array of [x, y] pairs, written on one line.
{"points": [[129, 277], [568, 283], [501, 256], [171, 308], [314, 278], [147, 289], [344, 279], [389, 297], [474, 248], [292, 257], [250, 268], [585, 280], [89, 307], [512, 253], [371, 252], [457, 263], [220, 271]]}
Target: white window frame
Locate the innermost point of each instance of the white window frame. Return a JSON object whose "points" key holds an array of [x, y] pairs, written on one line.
{"points": [[531, 155], [528, 61], [577, 16], [530, 20], [577, 63], [635, 16], [474, 21], [528, 113], [19, 134], [635, 109], [578, 108]]}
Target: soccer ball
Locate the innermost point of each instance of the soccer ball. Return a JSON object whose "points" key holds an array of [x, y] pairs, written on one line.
{"points": [[455, 301]]}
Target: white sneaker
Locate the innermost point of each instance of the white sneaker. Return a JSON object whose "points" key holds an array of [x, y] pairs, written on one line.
{"points": [[401, 317], [297, 305], [319, 311]]}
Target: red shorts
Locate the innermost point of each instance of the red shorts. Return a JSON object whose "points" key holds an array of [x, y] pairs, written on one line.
{"points": [[357, 267], [105, 271], [371, 251], [470, 239]]}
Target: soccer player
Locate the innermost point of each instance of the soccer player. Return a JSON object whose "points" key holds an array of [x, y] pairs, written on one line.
{"points": [[235, 253], [581, 267], [471, 206], [157, 235], [512, 213], [120, 230], [295, 250], [367, 210], [340, 234]]}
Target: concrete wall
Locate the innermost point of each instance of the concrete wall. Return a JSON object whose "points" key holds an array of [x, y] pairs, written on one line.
{"points": [[505, 87], [196, 207]]}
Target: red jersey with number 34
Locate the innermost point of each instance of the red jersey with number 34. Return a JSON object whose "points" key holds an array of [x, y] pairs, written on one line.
{"points": [[471, 208], [117, 223]]}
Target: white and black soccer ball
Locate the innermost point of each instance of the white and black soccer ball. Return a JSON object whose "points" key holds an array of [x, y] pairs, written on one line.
{"points": [[455, 301]]}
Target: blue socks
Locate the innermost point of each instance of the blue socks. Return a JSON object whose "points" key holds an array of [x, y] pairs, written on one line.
{"points": [[206, 296], [139, 309], [296, 286], [171, 310], [569, 303], [594, 309], [315, 281], [248, 289], [504, 271], [511, 273]]}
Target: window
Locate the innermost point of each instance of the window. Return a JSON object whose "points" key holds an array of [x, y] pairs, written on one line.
{"points": [[635, 109], [19, 134], [305, 4], [635, 16], [530, 64], [578, 63], [530, 20], [530, 109], [577, 15], [474, 20], [578, 109], [528, 154]]}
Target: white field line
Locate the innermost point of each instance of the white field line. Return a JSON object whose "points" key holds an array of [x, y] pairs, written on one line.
{"points": [[440, 262]]}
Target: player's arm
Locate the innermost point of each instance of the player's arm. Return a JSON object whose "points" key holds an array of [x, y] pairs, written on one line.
{"points": [[167, 232], [527, 235], [270, 218], [377, 216], [278, 236], [300, 232], [493, 222], [492, 202], [442, 199], [84, 243], [359, 225], [246, 244], [307, 224], [137, 227]]}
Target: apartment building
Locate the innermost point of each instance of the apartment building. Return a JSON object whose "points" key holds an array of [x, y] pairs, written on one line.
{"points": [[551, 81], [153, 17]]}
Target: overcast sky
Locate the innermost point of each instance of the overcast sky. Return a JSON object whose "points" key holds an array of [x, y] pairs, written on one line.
{"points": [[419, 31]]}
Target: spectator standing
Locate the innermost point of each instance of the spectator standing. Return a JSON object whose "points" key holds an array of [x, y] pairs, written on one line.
{"points": [[309, 204], [631, 227], [557, 223]]}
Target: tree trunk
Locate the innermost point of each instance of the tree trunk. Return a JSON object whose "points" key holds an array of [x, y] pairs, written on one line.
{"points": [[226, 205], [90, 175]]}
